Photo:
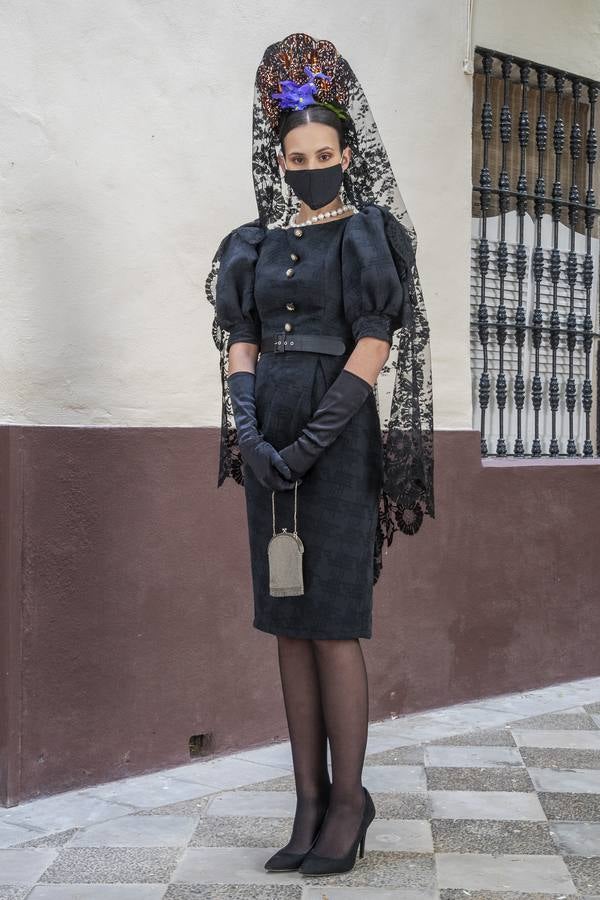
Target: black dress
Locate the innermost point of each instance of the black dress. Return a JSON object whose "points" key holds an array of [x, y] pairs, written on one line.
{"points": [[343, 282]]}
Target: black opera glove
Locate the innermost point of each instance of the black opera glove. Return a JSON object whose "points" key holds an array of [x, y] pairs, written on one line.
{"points": [[340, 402], [271, 471]]}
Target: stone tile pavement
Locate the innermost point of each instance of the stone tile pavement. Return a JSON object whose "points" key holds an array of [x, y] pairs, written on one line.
{"points": [[498, 798]]}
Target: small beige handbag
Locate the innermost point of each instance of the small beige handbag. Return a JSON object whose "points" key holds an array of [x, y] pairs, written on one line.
{"points": [[284, 552]]}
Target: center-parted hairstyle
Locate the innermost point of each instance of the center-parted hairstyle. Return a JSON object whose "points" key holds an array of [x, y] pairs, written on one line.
{"points": [[403, 390]]}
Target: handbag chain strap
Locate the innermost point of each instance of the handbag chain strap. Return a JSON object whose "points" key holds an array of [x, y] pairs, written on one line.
{"points": [[295, 510]]}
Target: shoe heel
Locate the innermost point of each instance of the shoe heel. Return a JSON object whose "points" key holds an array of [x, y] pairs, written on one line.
{"points": [[313, 864]]}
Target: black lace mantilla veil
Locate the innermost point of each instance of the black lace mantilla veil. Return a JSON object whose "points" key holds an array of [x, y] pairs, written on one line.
{"points": [[404, 387]]}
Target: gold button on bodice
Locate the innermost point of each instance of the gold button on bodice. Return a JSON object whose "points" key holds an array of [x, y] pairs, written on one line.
{"points": [[294, 256], [290, 306], [287, 326], [298, 232], [289, 272]]}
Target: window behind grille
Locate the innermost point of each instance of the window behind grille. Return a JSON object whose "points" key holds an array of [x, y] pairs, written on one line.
{"points": [[527, 118]]}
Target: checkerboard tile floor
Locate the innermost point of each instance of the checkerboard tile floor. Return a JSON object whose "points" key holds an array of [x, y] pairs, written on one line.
{"points": [[499, 798]]}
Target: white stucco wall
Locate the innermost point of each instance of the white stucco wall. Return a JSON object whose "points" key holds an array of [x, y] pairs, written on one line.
{"points": [[561, 33], [126, 135]]}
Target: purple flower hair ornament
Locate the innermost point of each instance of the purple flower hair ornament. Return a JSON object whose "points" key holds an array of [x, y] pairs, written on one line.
{"points": [[298, 96]]}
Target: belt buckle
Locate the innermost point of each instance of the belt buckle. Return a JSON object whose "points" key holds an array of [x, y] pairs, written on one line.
{"points": [[279, 342]]}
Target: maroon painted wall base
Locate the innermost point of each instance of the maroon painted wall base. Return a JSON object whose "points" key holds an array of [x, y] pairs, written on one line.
{"points": [[126, 600]]}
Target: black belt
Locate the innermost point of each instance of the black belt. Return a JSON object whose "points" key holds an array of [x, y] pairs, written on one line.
{"points": [[282, 342]]}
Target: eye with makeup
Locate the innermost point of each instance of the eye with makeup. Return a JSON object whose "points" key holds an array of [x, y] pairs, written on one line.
{"points": [[299, 160]]}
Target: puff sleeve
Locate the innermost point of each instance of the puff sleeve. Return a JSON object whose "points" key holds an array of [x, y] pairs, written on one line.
{"points": [[374, 279], [235, 308]]}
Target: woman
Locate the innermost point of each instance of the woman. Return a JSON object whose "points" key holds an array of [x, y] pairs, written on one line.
{"points": [[309, 305]]}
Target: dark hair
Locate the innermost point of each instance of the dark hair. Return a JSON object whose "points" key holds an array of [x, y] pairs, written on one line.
{"points": [[294, 117]]}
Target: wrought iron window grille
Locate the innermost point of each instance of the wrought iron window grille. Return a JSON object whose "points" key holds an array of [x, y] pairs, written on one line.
{"points": [[534, 260]]}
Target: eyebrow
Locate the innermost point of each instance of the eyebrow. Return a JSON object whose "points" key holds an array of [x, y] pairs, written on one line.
{"points": [[299, 152]]}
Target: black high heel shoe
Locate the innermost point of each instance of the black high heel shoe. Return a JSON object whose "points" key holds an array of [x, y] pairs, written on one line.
{"points": [[313, 864], [285, 860]]}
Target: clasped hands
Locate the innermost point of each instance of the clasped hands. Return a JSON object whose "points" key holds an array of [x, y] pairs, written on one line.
{"points": [[268, 464], [279, 470]]}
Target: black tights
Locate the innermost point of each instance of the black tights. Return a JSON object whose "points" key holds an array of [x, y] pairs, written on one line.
{"points": [[326, 696]]}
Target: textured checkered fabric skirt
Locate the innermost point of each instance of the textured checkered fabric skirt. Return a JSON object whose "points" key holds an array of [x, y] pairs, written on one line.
{"points": [[337, 505]]}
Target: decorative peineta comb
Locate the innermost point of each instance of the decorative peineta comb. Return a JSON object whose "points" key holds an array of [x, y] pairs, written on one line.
{"points": [[283, 66]]}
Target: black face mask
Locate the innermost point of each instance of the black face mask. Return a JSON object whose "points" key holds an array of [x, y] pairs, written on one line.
{"points": [[316, 187]]}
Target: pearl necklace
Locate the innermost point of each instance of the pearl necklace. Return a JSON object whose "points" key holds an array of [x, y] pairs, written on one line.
{"points": [[322, 217]]}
